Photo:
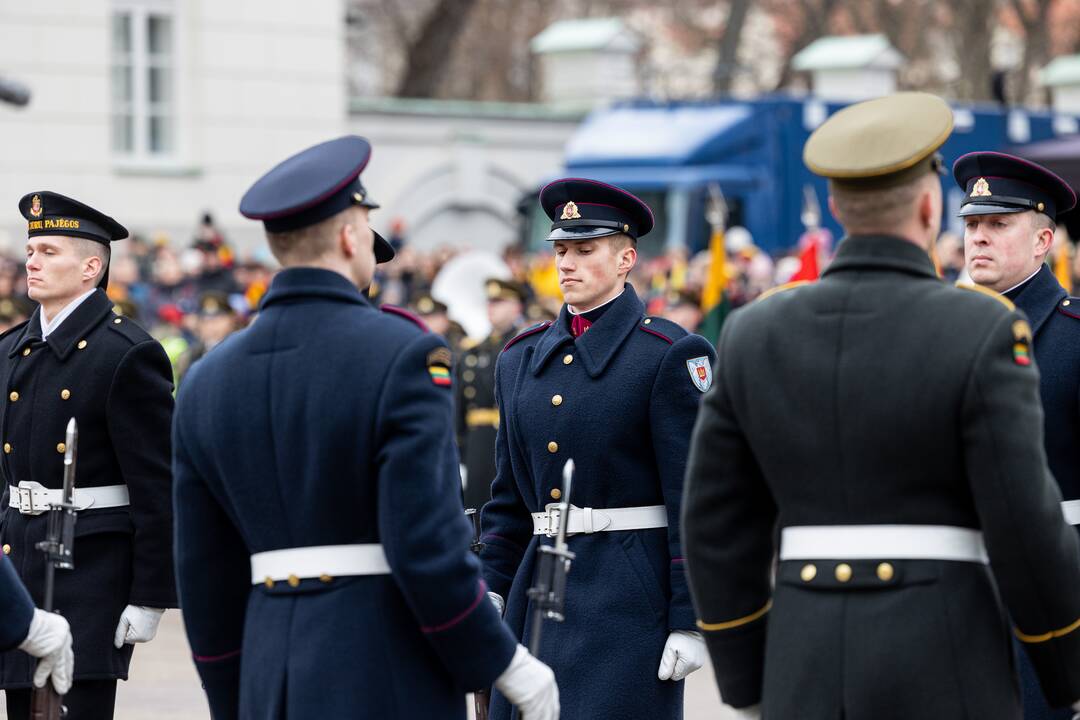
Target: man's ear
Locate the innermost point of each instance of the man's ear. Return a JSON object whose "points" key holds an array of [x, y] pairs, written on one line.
{"points": [[832, 209], [346, 239], [92, 268], [627, 259], [1044, 241]]}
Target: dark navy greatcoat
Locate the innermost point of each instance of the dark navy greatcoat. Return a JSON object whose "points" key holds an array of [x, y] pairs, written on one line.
{"points": [[16, 607], [1055, 324], [626, 409], [321, 424], [116, 381]]}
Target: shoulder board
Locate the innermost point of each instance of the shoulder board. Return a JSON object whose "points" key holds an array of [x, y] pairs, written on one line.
{"points": [[781, 288], [527, 332], [988, 293], [663, 329], [1069, 306], [14, 328], [403, 313], [128, 328]]}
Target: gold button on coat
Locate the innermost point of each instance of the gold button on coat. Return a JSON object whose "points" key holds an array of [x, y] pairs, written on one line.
{"points": [[469, 375], [14, 396], [116, 321], [470, 392], [268, 582], [553, 447], [648, 320], [325, 578], [567, 359], [7, 447], [81, 345], [26, 352], [60, 447], [65, 394], [556, 400], [293, 581], [1065, 304], [843, 572], [470, 360], [885, 572], [7, 549], [809, 572], [556, 493]]}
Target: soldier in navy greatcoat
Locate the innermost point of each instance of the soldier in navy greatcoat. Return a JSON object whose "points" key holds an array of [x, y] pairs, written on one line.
{"points": [[322, 553], [75, 357], [1009, 210], [616, 391]]}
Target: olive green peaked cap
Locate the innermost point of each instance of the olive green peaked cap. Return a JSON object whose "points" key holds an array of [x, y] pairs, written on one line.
{"points": [[881, 143]]}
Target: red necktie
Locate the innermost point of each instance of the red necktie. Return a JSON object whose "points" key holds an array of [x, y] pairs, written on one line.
{"points": [[578, 325]]}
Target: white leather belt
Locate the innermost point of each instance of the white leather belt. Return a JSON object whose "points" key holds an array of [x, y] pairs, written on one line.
{"points": [[593, 520], [1071, 510], [882, 542], [31, 498], [318, 561]]}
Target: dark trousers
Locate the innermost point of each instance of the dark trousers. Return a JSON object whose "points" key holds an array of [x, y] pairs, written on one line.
{"points": [[87, 700]]}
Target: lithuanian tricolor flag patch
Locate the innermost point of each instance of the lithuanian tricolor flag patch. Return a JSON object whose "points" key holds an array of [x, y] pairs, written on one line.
{"points": [[1021, 354], [439, 375]]}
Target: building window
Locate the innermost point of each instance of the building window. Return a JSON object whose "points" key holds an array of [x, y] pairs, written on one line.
{"points": [[143, 82]]}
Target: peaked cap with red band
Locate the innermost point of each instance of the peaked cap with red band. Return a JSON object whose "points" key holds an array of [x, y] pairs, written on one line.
{"points": [[311, 186], [995, 184], [581, 209]]}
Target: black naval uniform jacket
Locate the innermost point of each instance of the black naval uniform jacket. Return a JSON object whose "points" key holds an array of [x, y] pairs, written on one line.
{"points": [[879, 395], [116, 381], [477, 416], [1055, 324]]}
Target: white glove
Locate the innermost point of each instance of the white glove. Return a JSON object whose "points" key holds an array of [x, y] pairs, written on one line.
{"points": [[137, 624], [530, 685], [49, 638], [684, 652], [497, 601], [748, 713]]}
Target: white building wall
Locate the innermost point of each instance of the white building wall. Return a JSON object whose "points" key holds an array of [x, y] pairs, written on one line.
{"points": [[255, 82], [853, 85], [1066, 98], [457, 179]]}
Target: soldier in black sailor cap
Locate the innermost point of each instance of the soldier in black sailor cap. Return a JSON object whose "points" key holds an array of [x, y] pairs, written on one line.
{"points": [[322, 555], [616, 391], [75, 357], [1010, 209]]}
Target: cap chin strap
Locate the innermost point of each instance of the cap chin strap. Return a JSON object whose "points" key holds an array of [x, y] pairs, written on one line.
{"points": [[1004, 199], [586, 222]]}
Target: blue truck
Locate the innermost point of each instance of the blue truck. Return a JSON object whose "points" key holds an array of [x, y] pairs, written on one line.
{"points": [[671, 153]]}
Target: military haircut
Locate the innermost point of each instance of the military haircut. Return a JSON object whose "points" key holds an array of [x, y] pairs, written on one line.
{"points": [[860, 209], [621, 241], [307, 243], [1042, 221], [87, 248]]}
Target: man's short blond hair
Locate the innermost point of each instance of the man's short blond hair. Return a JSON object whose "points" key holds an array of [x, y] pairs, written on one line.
{"points": [[307, 243], [859, 209], [87, 248]]}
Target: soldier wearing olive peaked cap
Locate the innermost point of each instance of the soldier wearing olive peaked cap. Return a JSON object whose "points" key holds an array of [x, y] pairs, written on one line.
{"points": [[919, 526]]}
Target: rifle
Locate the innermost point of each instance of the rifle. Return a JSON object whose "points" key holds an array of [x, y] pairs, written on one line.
{"points": [[482, 697], [58, 546], [548, 594]]}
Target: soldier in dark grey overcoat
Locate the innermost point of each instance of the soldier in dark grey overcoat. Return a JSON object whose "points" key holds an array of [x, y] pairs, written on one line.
{"points": [[885, 427]]}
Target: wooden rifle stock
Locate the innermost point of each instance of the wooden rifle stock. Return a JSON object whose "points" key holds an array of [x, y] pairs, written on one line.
{"points": [[481, 698], [46, 704]]}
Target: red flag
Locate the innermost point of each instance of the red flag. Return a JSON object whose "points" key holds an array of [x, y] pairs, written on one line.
{"points": [[809, 259]]}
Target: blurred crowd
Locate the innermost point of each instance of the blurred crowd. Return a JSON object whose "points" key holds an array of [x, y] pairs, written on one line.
{"points": [[192, 295]]}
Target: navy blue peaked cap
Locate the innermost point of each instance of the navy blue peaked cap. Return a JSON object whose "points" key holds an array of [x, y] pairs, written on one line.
{"points": [[996, 183], [313, 185], [580, 209]]}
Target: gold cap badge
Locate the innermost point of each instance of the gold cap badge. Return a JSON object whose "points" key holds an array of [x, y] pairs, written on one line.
{"points": [[570, 211], [981, 189], [35, 206]]}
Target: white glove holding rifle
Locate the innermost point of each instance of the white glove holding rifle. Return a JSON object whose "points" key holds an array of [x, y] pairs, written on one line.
{"points": [[49, 638], [530, 685]]}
